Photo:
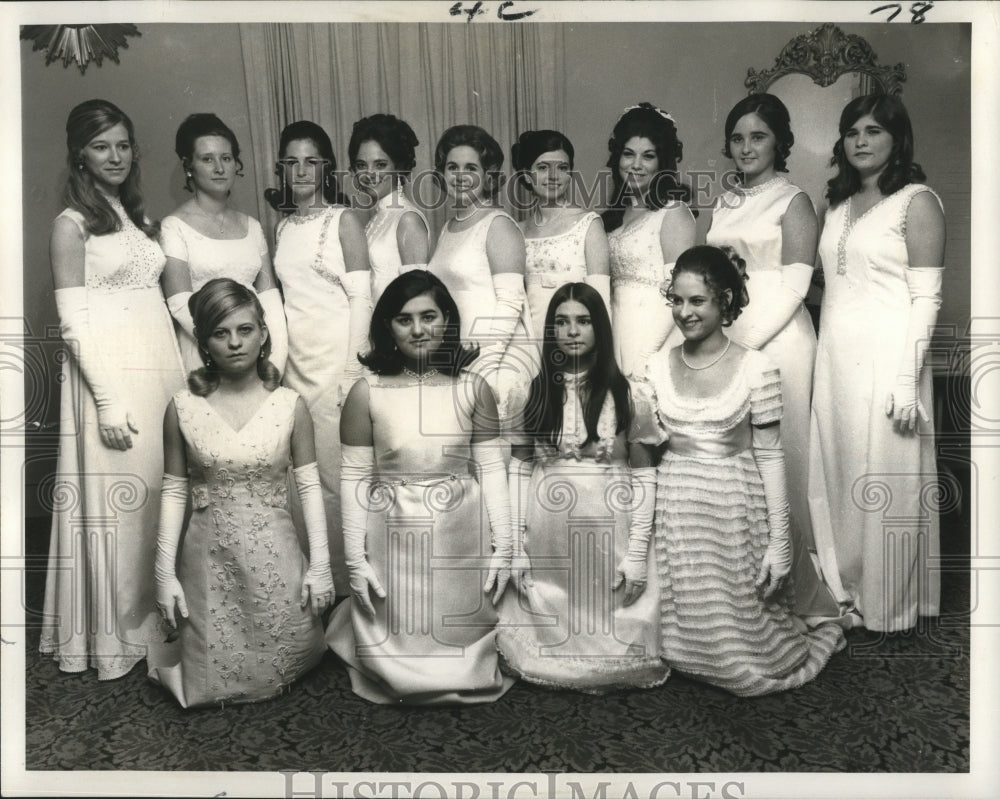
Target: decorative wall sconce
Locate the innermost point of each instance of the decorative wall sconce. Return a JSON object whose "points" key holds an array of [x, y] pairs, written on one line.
{"points": [[80, 43]]}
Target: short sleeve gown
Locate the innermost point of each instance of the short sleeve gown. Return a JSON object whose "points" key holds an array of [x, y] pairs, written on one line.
{"points": [[207, 258], [872, 491], [569, 628], [711, 532], [246, 637], [99, 593], [432, 640], [309, 262], [749, 221]]}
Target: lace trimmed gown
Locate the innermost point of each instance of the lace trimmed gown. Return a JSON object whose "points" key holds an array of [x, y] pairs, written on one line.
{"points": [[711, 533], [208, 258], [432, 640], [99, 593], [749, 221], [569, 629], [872, 491], [551, 262], [246, 637]]}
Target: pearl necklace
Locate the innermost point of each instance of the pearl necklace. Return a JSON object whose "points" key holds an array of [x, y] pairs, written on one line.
{"points": [[420, 376], [711, 363]]}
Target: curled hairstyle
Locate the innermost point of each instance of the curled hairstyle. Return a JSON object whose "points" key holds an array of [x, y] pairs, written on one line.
{"points": [[384, 358], [722, 269], [648, 122], [543, 412], [192, 129], [775, 115], [87, 121], [533, 143], [901, 170], [393, 135], [281, 199], [209, 307], [490, 154]]}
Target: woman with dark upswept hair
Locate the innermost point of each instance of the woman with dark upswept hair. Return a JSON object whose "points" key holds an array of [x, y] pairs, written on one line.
{"points": [[571, 443], [424, 498], [882, 249], [123, 367], [206, 237], [770, 222], [321, 259], [381, 155], [648, 225]]}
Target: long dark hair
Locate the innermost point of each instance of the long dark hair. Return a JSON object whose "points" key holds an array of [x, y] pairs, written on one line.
{"points": [[889, 111], [646, 121], [721, 268], [192, 129], [544, 410], [209, 306], [281, 199], [384, 358], [86, 121], [775, 115]]}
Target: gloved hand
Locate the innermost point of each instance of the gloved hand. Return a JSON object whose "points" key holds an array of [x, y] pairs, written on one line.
{"points": [[357, 465], [169, 592], [493, 485], [317, 584], [770, 459], [632, 568], [518, 485]]}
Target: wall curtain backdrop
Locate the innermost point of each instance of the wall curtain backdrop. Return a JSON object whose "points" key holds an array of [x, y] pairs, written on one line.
{"points": [[504, 77]]}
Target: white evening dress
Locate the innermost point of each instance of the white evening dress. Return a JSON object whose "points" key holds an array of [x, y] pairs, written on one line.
{"points": [[246, 637], [208, 258], [309, 262], [551, 262], [749, 221], [432, 640], [383, 246], [461, 263], [99, 589], [569, 628], [711, 532], [640, 318], [872, 491]]}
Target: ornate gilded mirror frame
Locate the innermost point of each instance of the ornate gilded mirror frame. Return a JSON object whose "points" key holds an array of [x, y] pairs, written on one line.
{"points": [[824, 55]]}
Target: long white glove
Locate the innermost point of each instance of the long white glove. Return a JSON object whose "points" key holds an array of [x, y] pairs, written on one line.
{"points": [[781, 306], [317, 584], [519, 488], [602, 283], [173, 501], [114, 420], [358, 287], [770, 459], [903, 402], [357, 465], [274, 318], [510, 299], [632, 568], [493, 486], [179, 309]]}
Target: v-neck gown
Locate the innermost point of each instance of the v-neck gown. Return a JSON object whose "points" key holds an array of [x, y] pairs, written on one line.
{"points": [[241, 567]]}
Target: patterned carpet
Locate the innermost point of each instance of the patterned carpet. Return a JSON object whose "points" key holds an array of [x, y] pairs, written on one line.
{"points": [[896, 703]]}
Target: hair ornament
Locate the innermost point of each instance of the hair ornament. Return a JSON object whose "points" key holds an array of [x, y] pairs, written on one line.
{"points": [[648, 107]]}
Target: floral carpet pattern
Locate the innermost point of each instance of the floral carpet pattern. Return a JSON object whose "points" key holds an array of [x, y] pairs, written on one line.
{"points": [[897, 703]]}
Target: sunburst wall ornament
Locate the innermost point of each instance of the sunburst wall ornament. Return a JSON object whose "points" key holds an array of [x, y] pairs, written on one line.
{"points": [[80, 43]]}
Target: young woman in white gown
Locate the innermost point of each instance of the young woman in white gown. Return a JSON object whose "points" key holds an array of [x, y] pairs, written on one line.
{"points": [[207, 237], [242, 602], [648, 226], [564, 243], [567, 626], [480, 257], [425, 501], [872, 453], [771, 224], [123, 367], [382, 153], [721, 514], [321, 259]]}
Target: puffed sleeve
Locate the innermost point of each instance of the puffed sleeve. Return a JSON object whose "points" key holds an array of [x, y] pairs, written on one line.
{"points": [[647, 427], [172, 240], [765, 389]]}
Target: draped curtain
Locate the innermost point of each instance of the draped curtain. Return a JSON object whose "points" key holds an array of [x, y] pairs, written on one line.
{"points": [[505, 78]]}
